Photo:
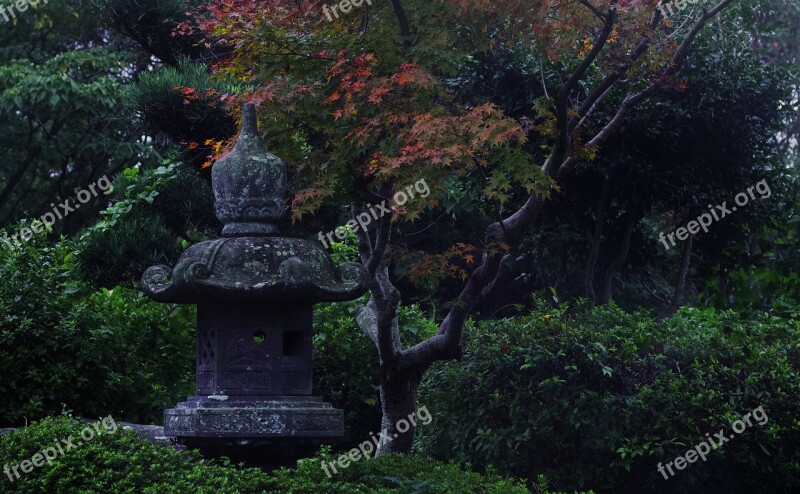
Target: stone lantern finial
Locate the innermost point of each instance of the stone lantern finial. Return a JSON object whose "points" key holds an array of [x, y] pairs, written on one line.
{"points": [[250, 184]]}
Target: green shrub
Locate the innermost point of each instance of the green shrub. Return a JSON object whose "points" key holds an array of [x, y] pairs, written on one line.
{"points": [[118, 462], [599, 398], [97, 353], [122, 463], [346, 370], [391, 474]]}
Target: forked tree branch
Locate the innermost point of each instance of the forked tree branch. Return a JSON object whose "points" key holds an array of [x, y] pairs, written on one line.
{"points": [[446, 343]]}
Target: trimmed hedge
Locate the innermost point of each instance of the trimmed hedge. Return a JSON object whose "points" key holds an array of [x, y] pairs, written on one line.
{"points": [[123, 463], [599, 398]]}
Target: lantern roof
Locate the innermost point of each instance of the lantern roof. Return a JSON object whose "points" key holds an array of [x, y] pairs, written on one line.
{"points": [[251, 262]]}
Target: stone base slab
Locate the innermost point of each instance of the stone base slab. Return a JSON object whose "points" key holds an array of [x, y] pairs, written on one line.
{"points": [[253, 417]]}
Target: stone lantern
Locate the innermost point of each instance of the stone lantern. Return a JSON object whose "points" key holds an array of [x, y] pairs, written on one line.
{"points": [[254, 292]]}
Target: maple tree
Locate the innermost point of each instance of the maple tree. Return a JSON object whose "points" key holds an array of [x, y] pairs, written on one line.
{"points": [[360, 108]]}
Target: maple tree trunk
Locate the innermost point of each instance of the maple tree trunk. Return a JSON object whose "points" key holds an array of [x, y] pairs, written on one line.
{"points": [[398, 385], [399, 406]]}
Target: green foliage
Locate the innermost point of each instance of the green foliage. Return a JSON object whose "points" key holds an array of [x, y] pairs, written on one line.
{"points": [[156, 213], [67, 124], [391, 474], [346, 370], [762, 273], [347, 250], [152, 23], [598, 398], [121, 462], [49, 28], [97, 353], [118, 462], [157, 96], [135, 189], [346, 365]]}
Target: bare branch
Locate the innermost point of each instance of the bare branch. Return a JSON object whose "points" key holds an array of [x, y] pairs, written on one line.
{"points": [[382, 238], [632, 99], [599, 44], [591, 7], [364, 242], [448, 340], [405, 30], [563, 96], [683, 49], [378, 319]]}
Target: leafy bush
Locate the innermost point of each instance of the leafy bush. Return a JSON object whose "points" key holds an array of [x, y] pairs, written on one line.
{"points": [[599, 398], [118, 462], [98, 353], [391, 474], [121, 462], [346, 370]]}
